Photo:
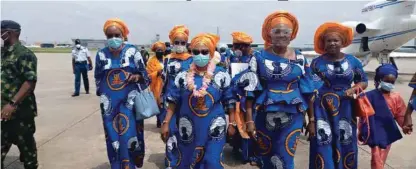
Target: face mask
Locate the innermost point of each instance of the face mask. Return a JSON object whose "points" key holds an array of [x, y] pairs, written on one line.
{"points": [[201, 60], [386, 86], [179, 49], [238, 53], [78, 46], [159, 54], [114, 43]]}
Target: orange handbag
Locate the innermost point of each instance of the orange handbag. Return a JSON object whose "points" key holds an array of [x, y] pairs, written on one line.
{"points": [[363, 107]]}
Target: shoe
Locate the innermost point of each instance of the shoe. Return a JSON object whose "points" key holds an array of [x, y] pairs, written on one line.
{"points": [[158, 124], [21, 158], [75, 95], [87, 92]]}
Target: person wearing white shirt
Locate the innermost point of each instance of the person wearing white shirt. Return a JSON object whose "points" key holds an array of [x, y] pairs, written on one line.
{"points": [[81, 64]]}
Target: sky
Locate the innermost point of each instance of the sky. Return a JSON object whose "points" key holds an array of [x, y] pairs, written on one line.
{"points": [[46, 21]]}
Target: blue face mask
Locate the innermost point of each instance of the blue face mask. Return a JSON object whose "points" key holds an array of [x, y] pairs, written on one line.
{"points": [[201, 60], [386, 86], [114, 43]]}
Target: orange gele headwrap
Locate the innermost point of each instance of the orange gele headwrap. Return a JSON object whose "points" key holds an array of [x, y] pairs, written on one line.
{"points": [[344, 32], [241, 37], [158, 45], [178, 30], [279, 17], [207, 39], [117, 23]]}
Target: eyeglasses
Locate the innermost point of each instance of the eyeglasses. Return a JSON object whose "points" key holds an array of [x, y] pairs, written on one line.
{"points": [[197, 52], [116, 35], [280, 31], [183, 43], [240, 45]]}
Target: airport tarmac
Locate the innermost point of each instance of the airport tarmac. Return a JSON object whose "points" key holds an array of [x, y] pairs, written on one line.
{"points": [[70, 135]]}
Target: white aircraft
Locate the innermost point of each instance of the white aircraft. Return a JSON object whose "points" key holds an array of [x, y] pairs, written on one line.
{"points": [[393, 23]]}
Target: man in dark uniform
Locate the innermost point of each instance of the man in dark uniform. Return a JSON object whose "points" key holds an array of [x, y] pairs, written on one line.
{"points": [[81, 64], [18, 102]]}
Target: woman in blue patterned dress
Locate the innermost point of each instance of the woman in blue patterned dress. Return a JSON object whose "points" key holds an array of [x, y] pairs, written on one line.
{"points": [[200, 94], [119, 74], [334, 122], [286, 92], [240, 139], [178, 61]]}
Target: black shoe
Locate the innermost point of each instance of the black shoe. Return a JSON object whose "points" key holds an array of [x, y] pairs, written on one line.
{"points": [[158, 124], [21, 158], [75, 95], [87, 92]]}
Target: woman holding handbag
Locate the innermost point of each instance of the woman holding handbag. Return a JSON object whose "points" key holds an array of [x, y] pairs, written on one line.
{"points": [[200, 95], [119, 73], [333, 126]]}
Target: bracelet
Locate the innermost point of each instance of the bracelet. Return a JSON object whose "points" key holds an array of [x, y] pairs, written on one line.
{"points": [[251, 121]]}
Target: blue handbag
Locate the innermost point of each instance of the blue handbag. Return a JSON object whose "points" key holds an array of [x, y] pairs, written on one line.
{"points": [[145, 104]]}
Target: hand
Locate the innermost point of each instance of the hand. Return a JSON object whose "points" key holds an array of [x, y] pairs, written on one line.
{"points": [[164, 134], [116, 146], [310, 129], [231, 130], [244, 83], [89, 66], [133, 78], [350, 93], [407, 124], [7, 111], [251, 130]]}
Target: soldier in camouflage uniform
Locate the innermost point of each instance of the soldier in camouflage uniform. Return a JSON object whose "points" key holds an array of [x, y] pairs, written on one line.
{"points": [[18, 81]]}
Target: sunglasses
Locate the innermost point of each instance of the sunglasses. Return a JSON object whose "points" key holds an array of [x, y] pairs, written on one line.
{"points": [[197, 52], [240, 45], [116, 35], [183, 43]]}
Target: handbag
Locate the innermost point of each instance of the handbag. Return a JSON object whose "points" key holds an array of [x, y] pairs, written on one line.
{"points": [[363, 109], [145, 104]]}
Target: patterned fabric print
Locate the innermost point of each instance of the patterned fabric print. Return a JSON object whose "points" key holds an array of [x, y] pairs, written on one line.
{"points": [[173, 68], [20, 132], [202, 124], [18, 64], [335, 144], [124, 135], [285, 87]]}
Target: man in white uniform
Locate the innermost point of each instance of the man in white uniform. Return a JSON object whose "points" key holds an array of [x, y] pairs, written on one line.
{"points": [[81, 63]]}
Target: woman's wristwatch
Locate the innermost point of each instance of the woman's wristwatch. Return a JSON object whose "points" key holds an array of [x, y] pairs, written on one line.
{"points": [[13, 103], [311, 119], [234, 124]]}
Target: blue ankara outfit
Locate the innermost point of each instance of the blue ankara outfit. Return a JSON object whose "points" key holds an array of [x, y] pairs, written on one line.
{"points": [[383, 127], [117, 99], [200, 139], [335, 144], [285, 86], [172, 68], [239, 143]]}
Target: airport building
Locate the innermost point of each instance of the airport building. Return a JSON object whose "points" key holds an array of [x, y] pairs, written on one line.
{"points": [[92, 43]]}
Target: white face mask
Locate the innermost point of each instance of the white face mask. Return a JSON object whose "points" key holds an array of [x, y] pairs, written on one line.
{"points": [[78, 46], [179, 49], [238, 53]]}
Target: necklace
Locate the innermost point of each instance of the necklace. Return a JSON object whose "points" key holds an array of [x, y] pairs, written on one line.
{"points": [[207, 77]]}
